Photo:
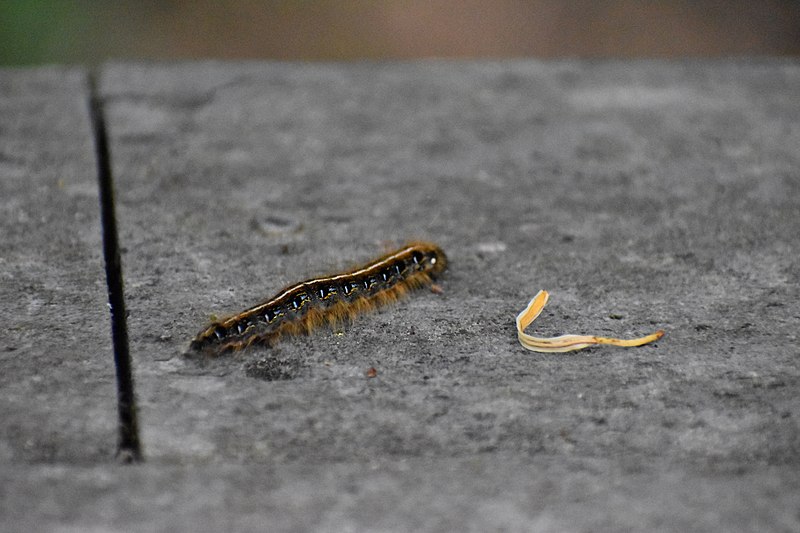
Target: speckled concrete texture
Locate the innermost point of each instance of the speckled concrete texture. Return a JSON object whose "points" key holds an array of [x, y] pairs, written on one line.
{"points": [[642, 195], [56, 391]]}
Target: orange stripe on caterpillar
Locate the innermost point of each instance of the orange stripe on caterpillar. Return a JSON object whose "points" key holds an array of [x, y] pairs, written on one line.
{"points": [[305, 306]]}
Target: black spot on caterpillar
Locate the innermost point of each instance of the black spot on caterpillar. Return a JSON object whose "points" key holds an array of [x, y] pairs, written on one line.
{"points": [[305, 306]]}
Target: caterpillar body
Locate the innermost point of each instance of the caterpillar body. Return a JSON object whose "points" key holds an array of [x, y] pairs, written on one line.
{"points": [[307, 305]]}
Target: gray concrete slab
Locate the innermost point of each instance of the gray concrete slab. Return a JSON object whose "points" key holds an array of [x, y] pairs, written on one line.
{"points": [[57, 380], [643, 195]]}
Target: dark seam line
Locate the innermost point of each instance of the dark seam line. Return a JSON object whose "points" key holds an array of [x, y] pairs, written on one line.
{"points": [[129, 447]]}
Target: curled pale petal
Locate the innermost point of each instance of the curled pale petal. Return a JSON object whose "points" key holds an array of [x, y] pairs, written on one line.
{"points": [[566, 343]]}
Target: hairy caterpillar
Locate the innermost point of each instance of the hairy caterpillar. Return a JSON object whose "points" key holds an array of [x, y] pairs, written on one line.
{"points": [[305, 306]]}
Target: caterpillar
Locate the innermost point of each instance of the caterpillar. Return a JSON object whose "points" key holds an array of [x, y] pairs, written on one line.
{"points": [[307, 305]]}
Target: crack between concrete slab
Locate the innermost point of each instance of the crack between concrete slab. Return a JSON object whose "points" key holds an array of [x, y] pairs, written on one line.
{"points": [[129, 446]]}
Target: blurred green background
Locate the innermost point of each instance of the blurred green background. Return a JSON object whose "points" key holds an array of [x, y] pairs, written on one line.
{"points": [[89, 32]]}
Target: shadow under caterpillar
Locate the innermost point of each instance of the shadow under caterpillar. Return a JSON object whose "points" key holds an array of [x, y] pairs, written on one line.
{"points": [[305, 306]]}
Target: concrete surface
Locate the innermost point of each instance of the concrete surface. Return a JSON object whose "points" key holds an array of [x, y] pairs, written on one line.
{"points": [[56, 391], [643, 195]]}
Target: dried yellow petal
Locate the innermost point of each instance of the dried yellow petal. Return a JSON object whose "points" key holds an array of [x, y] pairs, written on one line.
{"points": [[565, 343]]}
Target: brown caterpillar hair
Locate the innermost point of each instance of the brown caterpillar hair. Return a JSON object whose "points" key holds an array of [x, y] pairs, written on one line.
{"points": [[305, 306]]}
